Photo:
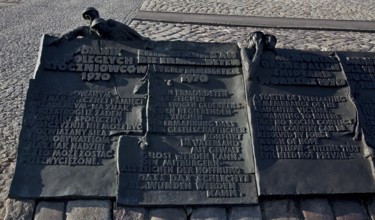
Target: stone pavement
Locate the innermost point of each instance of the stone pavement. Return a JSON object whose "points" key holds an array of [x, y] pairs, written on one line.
{"points": [[22, 25], [314, 9], [257, 22], [286, 38]]}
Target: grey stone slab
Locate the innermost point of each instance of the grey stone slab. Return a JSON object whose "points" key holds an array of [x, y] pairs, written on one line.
{"points": [[167, 214], [73, 119], [49, 210], [5, 4], [260, 22], [198, 147], [349, 210], [10, 1], [129, 213], [280, 209], [209, 213], [89, 209], [316, 209], [304, 126], [19, 209], [245, 213]]}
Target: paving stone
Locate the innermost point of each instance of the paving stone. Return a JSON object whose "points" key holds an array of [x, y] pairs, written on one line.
{"points": [[188, 210], [314, 9], [128, 213], [209, 213], [245, 213], [89, 209], [316, 209], [49, 210], [167, 214], [349, 210], [281, 209], [371, 208], [19, 209]]}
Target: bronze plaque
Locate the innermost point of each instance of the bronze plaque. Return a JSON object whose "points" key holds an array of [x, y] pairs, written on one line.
{"points": [[199, 145], [304, 124], [78, 105]]}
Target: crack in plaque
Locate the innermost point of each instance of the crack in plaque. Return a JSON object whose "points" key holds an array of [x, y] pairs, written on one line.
{"points": [[356, 129], [143, 141]]}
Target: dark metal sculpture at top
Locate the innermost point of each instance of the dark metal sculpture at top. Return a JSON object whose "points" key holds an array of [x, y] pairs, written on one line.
{"points": [[89, 14], [100, 28], [114, 30], [255, 44]]}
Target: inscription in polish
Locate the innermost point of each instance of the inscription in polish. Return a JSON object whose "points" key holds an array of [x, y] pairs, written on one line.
{"points": [[95, 63], [74, 128], [78, 105]]}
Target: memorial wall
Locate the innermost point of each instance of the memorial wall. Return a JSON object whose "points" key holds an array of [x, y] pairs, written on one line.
{"points": [[187, 123]]}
